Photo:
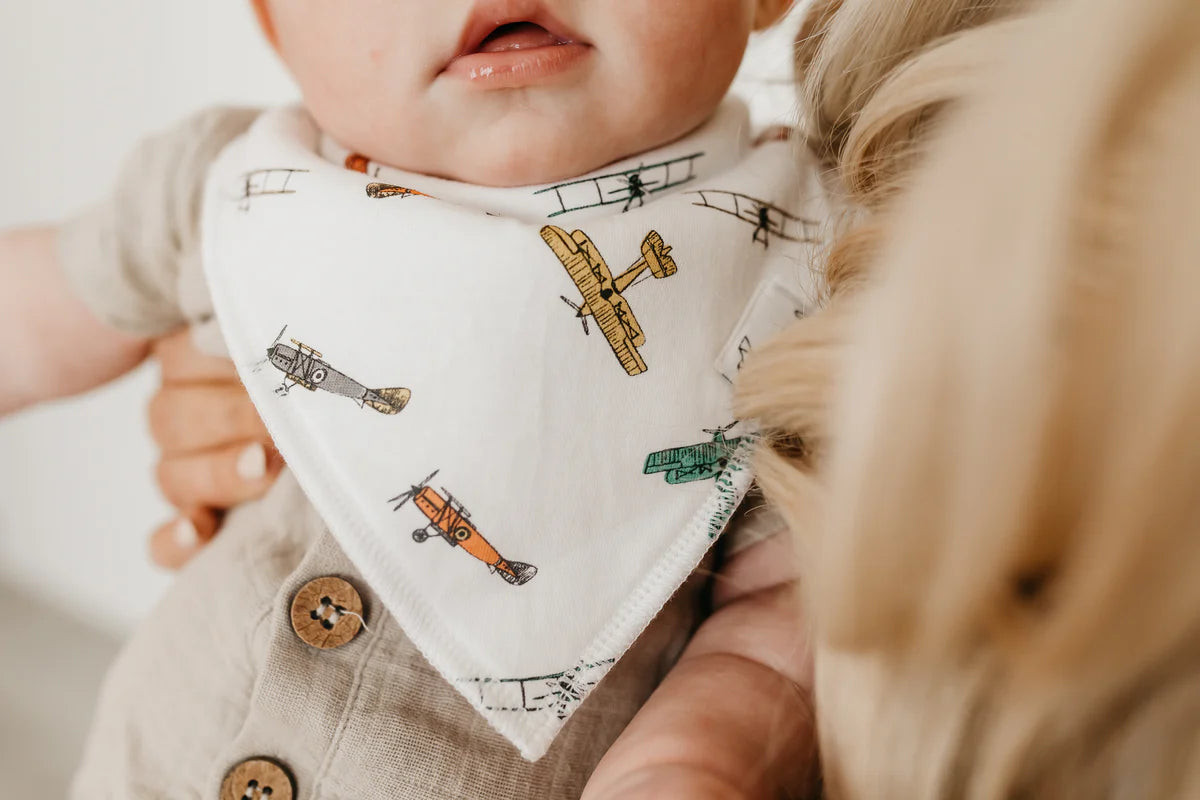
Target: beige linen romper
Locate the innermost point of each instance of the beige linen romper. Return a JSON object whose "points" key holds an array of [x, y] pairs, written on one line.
{"points": [[216, 695]]}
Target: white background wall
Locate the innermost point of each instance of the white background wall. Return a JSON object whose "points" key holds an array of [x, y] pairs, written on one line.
{"points": [[80, 82]]}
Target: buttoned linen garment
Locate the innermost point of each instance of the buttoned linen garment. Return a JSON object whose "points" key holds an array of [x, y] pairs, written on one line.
{"points": [[217, 674]]}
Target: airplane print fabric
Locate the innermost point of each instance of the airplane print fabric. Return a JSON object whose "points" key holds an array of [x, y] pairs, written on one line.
{"points": [[506, 403]]}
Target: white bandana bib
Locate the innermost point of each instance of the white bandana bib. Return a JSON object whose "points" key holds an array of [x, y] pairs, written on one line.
{"points": [[511, 406]]}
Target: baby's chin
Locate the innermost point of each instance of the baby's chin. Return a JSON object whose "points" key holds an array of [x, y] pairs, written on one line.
{"points": [[510, 162], [525, 168], [518, 155]]}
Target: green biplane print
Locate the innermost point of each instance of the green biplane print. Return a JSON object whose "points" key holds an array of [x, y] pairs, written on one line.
{"points": [[695, 462]]}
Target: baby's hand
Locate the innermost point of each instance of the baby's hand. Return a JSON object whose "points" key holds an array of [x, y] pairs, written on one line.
{"points": [[734, 719], [216, 452]]}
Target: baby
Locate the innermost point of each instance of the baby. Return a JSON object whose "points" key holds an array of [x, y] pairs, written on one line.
{"points": [[311, 651]]}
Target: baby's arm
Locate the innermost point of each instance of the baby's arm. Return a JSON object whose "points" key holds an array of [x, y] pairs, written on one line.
{"points": [[51, 345], [733, 720], [79, 302]]}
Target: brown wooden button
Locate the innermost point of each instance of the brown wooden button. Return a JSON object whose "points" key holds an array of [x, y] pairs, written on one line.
{"points": [[257, 779], [326, 613]]}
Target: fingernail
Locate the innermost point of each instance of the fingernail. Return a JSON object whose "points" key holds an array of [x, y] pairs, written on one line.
{"points": [[252, 463], [185, 535]]}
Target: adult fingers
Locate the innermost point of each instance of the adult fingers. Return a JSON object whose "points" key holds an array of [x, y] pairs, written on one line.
{"points": [[669, 782], [182, 362], [176, 542], [219, 478], [190, 417]]}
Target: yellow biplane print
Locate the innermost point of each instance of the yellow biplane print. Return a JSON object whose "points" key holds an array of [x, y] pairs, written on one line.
{"points": [[603, 300]]}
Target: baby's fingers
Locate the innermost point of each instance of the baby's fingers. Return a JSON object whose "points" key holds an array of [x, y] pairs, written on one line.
{"points": [[182, 362], [186, 418], [219, 478], [174, 544]]}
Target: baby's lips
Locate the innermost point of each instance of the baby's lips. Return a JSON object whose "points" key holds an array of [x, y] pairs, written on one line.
{"points": [[530, 24]]}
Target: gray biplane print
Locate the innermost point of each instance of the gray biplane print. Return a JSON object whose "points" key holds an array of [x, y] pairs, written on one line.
{"points": [[305, 367]]}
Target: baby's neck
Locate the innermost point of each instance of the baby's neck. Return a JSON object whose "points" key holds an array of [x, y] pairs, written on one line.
{"points": [[617, 186]]}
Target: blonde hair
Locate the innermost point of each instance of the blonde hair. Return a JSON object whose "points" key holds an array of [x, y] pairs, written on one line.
{"points": [[875, 77], [1004, 575]]}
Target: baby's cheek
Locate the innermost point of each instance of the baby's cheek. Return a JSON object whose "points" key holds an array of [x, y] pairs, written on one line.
{"points": [[687, 72], [350, 70], [364, 101]]}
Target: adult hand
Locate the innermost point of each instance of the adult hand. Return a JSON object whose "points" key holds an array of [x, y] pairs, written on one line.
{"points": [[216, 452], [733, 719]]}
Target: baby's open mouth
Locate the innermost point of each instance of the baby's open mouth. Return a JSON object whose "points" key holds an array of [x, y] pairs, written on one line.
{"points": [[511, 44], [519, 36]]}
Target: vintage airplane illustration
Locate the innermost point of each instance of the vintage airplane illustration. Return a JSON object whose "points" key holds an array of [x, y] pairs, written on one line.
{"points": [[768, 219], [627, 186], [558, 692], [635, 188], [381, 190], [303, 366], [360, 163], [260, 182], [602, 294], [695, 462], [449, 519]]}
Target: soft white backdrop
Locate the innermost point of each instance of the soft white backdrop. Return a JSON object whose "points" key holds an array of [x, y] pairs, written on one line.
{"points": [[80, 82]]}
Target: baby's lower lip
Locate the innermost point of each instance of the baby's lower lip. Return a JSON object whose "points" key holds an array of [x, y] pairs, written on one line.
{"points": [[517, 67]]}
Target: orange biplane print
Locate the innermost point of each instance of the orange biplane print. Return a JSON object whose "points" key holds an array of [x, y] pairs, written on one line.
{"points": [[450, 520], [360, 163], [381, 190]]}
